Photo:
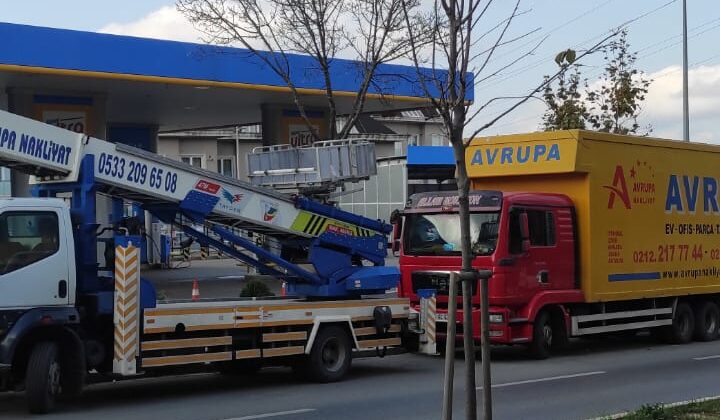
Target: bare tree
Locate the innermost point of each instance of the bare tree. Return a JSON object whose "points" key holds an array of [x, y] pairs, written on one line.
{"points": [[463, 52], [372, 32]]}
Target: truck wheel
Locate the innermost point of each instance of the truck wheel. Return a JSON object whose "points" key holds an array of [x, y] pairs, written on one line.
{"points": [[330, 357], [542, 336], [683, 326], [707, 321], [43, 378]]}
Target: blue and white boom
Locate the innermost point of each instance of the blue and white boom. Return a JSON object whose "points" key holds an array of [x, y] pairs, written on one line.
{"points": [[62, 161]]}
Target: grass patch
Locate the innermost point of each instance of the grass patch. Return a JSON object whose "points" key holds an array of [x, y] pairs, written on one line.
{"points": [[699, 410]]}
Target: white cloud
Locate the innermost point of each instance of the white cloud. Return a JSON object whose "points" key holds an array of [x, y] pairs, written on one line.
{"points": [[164, 23], [663, 105], [662, 108]]}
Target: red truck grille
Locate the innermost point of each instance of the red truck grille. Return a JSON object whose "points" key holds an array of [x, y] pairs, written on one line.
{"points": [[438, 280]]}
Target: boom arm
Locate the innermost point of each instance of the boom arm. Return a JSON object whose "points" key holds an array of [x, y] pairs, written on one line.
{"points": [[169, 188]]}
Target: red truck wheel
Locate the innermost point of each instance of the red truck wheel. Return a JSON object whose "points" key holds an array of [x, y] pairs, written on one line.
{"points": [[542, 336]]}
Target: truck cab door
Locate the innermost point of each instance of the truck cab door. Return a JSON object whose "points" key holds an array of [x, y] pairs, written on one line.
{"points": [[35, 258], [542, 247], [531, 245]]}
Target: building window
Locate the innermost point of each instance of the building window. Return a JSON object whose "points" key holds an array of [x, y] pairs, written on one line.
{"points": [[226, 166], [399, 148], [195, 161], [437, 140], [5, 182]]}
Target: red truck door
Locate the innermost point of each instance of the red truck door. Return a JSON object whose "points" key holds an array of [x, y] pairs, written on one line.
{"points": [[537, 262]]}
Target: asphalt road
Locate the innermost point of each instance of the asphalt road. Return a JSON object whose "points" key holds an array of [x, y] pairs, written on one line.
{"points": [[591, 378]]}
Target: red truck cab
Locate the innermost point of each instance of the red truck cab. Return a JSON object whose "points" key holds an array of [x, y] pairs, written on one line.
{"points": [[527, 240]]}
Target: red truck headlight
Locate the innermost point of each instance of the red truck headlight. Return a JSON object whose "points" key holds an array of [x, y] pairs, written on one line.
{"points": [[497, 318]]}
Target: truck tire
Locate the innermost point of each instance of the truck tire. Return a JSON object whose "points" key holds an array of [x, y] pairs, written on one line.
{"points": [[542, 342], [330, 357], [707, 321], [43, 378], [683, 327]]}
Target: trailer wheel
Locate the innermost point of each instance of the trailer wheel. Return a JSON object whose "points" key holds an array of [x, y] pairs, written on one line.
{"points": [[43, 378], [683, 326], [707, 321], [330, 357], [542, 336]]}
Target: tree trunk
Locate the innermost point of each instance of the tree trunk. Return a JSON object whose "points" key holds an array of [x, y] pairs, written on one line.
{"points": [[465, 247]]}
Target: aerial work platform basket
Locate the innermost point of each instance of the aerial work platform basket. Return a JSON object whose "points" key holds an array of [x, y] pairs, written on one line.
{"points": [[324, 166]]}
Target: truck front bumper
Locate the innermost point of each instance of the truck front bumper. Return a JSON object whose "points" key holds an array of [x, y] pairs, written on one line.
{"points": [[505, 332]]}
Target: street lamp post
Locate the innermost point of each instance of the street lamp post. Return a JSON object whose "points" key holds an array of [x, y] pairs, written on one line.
{"points": [[686, 110]]}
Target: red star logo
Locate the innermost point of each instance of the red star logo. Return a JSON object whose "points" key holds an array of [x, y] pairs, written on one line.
{"points": [[632, 172]]}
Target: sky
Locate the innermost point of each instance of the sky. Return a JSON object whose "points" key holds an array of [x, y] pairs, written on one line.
{"points": [[655, 28]]}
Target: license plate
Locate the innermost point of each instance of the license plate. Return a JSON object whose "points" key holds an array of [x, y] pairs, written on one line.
{"points": [[441, 318]]}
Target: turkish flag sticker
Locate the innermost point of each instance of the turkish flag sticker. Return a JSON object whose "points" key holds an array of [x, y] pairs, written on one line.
{"points": [[207, 187]]}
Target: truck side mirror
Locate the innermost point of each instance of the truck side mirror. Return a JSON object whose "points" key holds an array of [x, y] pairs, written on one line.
{"points": [[397, 222], [525, 232]]}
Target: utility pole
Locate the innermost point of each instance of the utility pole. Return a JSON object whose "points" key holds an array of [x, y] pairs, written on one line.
{"points": [[686, 109]]}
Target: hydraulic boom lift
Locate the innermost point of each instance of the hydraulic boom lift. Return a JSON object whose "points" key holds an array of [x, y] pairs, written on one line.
{"points": [[61, 317]]}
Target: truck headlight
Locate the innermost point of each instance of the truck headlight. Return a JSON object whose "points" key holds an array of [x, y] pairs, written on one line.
{"points": [[497, 318]]}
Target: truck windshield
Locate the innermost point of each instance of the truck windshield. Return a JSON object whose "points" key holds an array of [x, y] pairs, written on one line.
{"points": [[439, 234]]}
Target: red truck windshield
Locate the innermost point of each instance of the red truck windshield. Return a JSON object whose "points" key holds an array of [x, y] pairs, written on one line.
{"points": [[439, 233]]}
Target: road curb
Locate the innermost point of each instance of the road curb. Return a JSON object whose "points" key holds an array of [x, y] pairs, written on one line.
{"points": [[668, 405]]}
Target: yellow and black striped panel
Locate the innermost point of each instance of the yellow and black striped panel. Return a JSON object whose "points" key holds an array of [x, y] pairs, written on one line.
{"points": [[314, 224]]}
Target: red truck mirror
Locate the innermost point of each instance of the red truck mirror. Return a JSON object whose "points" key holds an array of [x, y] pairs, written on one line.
{"points": [[396, 220]]}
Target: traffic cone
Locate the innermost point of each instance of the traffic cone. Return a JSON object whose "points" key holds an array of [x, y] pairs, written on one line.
{"points": [[283, 289], [195, 291]]}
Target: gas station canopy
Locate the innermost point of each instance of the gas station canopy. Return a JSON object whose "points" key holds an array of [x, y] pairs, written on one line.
{"points": [[177, 85]]}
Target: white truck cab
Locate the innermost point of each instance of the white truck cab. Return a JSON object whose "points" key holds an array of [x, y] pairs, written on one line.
{"points": [[37, 253]]}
